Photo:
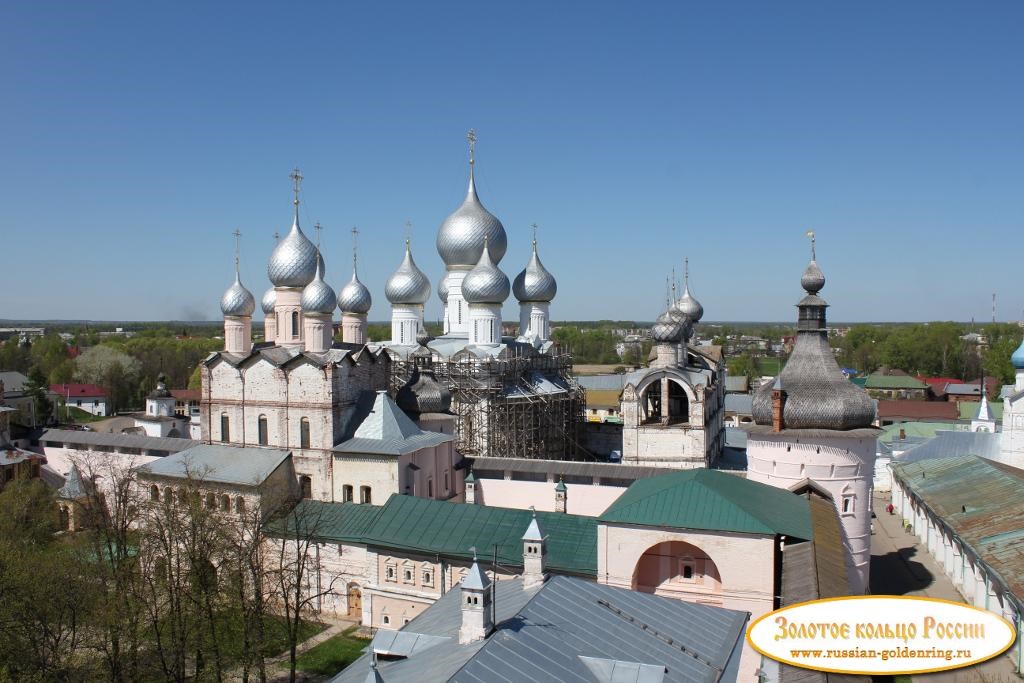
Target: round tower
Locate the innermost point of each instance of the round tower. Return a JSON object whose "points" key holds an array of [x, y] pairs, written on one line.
{"points": [[814, 426]]}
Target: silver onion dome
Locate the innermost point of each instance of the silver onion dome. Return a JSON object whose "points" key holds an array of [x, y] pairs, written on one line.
{"points": [[813, 280], [485, 284], [535, 283], [354, 297], [237, 300], [442, 289], [318, 296], [461, 237], [664, 332], [294, 260], [269, 301], [689, 306], [407, 285]]}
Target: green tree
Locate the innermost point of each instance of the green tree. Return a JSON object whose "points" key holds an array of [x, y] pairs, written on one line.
{"points": [[37, 387]]}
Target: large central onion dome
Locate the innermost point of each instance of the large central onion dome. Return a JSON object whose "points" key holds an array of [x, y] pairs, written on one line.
{"points": [[485, 284], [237, 300], [461, 237], [294, 260], [535, 283], [318, 296], [354, 297], [269, 301], [407, 285]]}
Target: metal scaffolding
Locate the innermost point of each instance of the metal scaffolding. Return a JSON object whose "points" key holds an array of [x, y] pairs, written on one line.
{"points": [[519, 404]]}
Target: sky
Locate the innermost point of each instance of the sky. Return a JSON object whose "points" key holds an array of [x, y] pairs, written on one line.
{"points": [[135, 137]]}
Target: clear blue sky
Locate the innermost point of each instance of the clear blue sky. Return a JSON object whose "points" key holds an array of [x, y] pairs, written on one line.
{"points": [[135, 136]]}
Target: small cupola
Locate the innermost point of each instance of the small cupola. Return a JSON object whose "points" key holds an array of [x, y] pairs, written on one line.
{"points": [[477, 622], [534, 550]]}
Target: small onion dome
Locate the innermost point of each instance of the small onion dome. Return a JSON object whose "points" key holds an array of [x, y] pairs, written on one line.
{"points": [[161, 390], [408, 284], [423, 337], [485, 284], [318, 296], [460, 240], [423, 394], [535, 283], [294, 260], [689, 306], [1018, 357], [442, 289], [665, 330], [354, 297], [269, 301], [813, 280], [237, 300]]}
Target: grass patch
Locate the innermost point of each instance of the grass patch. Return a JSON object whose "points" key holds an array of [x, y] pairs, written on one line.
{"points": [[79, 416], [334, 654], [769, 366]]}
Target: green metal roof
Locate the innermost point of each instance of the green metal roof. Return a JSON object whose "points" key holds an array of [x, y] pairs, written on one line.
{"points": [[893, 382], [859, 381], [969, 409], [338, 522], [915, 430], [451, 529], [713, 501]]}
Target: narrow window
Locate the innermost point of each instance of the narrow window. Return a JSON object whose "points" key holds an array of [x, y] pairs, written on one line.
{"points": [[211, 501], [307, 487], [225, 503], [304, 433], [225, 428], [407, 575], [364, 495], [430, 488], [346, 494], [295, 324], [239, 505], [263, 430], [387, 620], [447, 483], [154, 493]]}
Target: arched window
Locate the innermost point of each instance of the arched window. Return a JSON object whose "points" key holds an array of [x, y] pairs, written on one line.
{"points": [[346, 493], [168, 495], [211, 501], [295, 324], [262, 423], [307, 486], [225, 503], [304, 433], [154, 493], [365, 495], [239, 505], [65, 518], [225, 428]]}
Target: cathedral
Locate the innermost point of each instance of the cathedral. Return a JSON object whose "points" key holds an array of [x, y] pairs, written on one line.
{"points": [[513, 395]]}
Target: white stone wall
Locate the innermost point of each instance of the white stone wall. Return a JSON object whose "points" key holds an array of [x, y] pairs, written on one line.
{"points": [[842, 466]]}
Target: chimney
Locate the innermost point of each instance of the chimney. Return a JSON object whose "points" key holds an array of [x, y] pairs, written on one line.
{"points": [[778, 405], [560, 496], [470, 482], [477, 622], [903, 434], [534, 549]]}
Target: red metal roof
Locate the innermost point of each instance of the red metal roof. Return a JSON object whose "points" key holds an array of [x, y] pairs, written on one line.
{"points": [[79, 390], [935, 410], [186, 394]]}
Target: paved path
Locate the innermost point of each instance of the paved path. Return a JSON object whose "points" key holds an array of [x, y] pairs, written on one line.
{"points": [[901, 566]]}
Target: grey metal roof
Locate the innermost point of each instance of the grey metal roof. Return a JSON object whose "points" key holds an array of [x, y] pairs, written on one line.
{"points": [[14, 382], [220, 464], [963, 389], [544, 635], [155, 443], [741, 404], [955, 444], [617, 671], [384, 429], [73, 487], [603, 382], [486, 283], [737, 384]]}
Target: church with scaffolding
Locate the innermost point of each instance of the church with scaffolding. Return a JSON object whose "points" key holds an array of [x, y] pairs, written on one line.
{"points": [[512, 395]]}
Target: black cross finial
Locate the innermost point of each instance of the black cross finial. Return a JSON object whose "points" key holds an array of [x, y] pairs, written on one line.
{"points": [[471, 138], [296, 177], [238, 236], [533, 226]]}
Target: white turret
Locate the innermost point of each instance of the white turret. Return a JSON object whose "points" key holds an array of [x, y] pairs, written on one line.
{"points": [[534, 550], [477, 622]]}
